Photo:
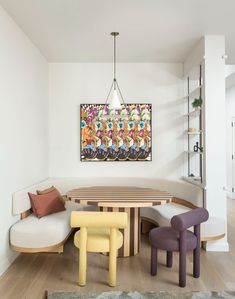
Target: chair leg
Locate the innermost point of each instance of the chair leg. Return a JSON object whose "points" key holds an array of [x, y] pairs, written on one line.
{"points": [[153, 261], [112, 268], [169, 258], [182, 260], [182, 270], [82, 257], [82, 267], [113, 257], [196, 263], [196, 255]]}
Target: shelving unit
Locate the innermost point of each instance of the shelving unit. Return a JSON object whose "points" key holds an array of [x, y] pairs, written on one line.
{"points": [[194, 172]]}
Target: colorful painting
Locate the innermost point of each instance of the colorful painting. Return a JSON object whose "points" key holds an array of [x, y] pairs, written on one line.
{"points": [[127, 138]]}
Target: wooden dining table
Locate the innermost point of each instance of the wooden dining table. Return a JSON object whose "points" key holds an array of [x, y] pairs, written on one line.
{"points": [[122, 199]]}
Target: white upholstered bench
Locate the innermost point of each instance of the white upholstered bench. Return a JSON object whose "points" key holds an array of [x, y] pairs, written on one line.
{"points": [[47, 234], [186, 197], [211, 230]]}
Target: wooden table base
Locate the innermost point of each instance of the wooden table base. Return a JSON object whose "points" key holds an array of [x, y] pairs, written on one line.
{"points": [[131, 234]]}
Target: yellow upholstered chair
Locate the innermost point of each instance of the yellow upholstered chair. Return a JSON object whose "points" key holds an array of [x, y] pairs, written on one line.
{"points": [[98, 233]]}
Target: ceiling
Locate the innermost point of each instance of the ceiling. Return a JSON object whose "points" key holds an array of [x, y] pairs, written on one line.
{"points": [[150, 30]]}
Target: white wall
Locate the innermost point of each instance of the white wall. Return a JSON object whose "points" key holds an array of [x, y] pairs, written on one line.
{"points": [[230, 113], [23, 122], [159, 84]]}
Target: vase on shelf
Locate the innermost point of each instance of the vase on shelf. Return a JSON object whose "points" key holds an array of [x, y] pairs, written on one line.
{"points": [[192, 130]]}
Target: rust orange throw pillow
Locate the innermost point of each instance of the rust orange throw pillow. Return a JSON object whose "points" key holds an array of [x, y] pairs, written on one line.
{"points": [[46, 204], [48, 190]]}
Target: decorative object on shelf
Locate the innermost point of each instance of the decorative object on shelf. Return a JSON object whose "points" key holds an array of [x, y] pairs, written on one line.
{"points": [[116, 139], [116, 105], [197, 148], [197, 103], [194, 177], [192, 130]]}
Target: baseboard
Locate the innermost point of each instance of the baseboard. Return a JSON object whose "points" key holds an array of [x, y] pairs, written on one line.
{"points": [[5, 264], [219, 246]]}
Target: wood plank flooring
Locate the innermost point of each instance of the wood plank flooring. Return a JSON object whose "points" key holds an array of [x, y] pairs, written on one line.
{"points": [[31, 274]]}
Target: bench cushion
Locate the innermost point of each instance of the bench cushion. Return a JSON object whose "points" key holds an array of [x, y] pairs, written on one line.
{"points": [[162, 214], [50, 230]]}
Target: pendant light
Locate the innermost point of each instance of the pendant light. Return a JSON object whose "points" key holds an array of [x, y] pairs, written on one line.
{"points": [[115, 103]]}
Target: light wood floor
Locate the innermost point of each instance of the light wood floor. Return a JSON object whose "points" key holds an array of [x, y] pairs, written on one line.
{"points": [[31, 274]]}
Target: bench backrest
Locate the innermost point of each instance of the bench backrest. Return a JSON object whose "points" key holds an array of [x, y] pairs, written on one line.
{"points": [[179, 189], [20, 199]]}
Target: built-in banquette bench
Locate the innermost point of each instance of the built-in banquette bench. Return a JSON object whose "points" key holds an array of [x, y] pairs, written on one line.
{"points": [[48, 234], [185, 197]]}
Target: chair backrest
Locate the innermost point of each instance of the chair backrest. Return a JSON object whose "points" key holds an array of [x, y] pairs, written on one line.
{"points": [[192, 218], [99, 219]]}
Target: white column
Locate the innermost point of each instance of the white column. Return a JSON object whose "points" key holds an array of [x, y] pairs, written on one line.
{"points": [[215, 134]]}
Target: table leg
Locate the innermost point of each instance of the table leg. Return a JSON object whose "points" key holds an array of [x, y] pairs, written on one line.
{"points": [[131, 234]]}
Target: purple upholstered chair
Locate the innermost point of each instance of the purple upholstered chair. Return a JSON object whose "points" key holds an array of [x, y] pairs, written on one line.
{"points": [[178, 238]]}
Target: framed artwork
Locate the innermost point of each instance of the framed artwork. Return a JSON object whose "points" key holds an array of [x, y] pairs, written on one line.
{"points": [[127, 138]]}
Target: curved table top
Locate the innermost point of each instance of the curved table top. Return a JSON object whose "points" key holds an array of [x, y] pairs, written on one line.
{"points": [[119, 196]]}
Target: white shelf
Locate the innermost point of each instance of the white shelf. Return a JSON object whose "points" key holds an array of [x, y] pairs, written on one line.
{"points": [[194, 113], [194, 133], [192, 152], [194, 180]]}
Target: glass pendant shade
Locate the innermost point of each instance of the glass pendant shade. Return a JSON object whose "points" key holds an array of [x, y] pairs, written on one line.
{"points": [[115, 103]]}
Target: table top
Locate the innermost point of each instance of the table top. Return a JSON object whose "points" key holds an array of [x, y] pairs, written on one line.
{"points": [[119, 196]]}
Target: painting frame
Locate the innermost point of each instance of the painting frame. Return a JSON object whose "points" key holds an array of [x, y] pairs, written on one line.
{"points": [[99, 158]]}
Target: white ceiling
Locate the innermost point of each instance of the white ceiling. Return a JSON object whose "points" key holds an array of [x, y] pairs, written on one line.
{"points": [[150, 30]]}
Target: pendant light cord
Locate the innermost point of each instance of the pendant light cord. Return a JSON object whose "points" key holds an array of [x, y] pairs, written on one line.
{"points": [[114, 59], [115, 85]]}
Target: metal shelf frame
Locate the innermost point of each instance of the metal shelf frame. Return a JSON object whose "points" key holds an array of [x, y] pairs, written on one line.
{"points": [[189, 115]]}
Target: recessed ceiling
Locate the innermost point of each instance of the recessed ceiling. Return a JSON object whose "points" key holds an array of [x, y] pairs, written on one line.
{"points": [[150, 30]]}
